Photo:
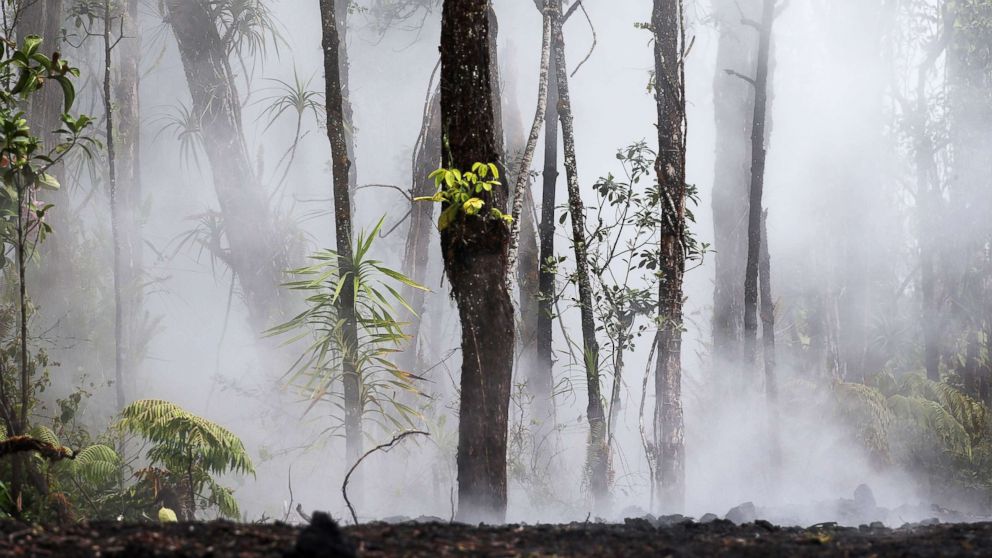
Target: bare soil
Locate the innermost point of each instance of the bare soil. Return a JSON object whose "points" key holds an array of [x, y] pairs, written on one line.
{"points": [[635, 538]]}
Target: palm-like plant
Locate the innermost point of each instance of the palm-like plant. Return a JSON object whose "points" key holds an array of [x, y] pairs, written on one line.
{"points": [[187, 451], [296, 98], [318, 371], [184, 125]]}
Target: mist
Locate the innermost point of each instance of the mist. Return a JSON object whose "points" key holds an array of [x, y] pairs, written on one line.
{"points": [[850, 237]]}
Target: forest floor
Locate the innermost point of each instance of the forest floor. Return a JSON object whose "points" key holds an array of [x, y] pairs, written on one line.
{"points": [[635, 538]]}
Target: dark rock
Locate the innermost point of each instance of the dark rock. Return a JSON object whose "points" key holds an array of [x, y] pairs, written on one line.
{"points": [[322, 539], [639, 523], [668, 520], [744, 513], [766, 525], [930, 521]]}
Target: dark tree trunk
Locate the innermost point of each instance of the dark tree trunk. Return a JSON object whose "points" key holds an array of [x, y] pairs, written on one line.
{"points": [[253, 252], [416, 256], [731, 96], [341, 165], [475, 260], [758, 156], [541, 376], [669, 39], [598, 450], [341, 8]]}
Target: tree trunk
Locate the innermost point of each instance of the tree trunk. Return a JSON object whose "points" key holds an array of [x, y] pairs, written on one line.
{"points": [[598, 450], [475, 261], [731, 96], [669, 39], [416, 255], [128, 146], [540, 377], [768, 343], [44, 18], [928, 206], [341, 164], [253, 254], [758, 156], [120, 346], [341, 7]]}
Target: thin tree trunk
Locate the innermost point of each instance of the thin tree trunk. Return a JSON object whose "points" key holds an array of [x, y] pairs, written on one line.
{"points": [[128, 131], [598, 450], [540, 377], [768, 344], [475, 261], [120, 346], [341, 164], [668, 24], [248, 226], [416, 256], [523, 173], [767, 312], [758, 157], [731, 97], [341, 7], [927, 206]]}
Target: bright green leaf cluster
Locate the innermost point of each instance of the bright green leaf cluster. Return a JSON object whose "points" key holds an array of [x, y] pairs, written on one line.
{"points": [[461, 192]]}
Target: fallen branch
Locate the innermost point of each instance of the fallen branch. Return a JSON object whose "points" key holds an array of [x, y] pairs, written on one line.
{"points": [[24, 444], [385, 447]]}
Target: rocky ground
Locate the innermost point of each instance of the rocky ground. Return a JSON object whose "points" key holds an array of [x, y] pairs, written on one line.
{"points": [[635, 537]]}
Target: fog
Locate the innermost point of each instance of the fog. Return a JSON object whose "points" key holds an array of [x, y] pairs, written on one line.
{"points": [[841, 229]]}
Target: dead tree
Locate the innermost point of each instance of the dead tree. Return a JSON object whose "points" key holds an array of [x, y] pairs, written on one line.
{"points": [[758, 159], [667, 24], [475, 260]]}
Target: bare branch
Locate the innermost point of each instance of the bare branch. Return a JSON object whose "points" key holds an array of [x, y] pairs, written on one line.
{"points": [[383, 447], [742, 76]]}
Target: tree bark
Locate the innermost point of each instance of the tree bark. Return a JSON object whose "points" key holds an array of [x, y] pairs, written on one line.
{"points": [[598, 450], [341, 165], [669, 38], [540, 378], [475, 261], [253, 253], [731, 97], [758, 157]]}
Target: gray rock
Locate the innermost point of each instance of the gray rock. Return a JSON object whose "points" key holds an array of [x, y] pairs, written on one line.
{"points": [[708, 518], [744, 513]]}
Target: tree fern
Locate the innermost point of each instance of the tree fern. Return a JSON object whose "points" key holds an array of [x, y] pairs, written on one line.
{"points": [[190, 447]]}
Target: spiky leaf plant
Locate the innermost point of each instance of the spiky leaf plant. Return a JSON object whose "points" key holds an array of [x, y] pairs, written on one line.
{"points": [[318, 371]]}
